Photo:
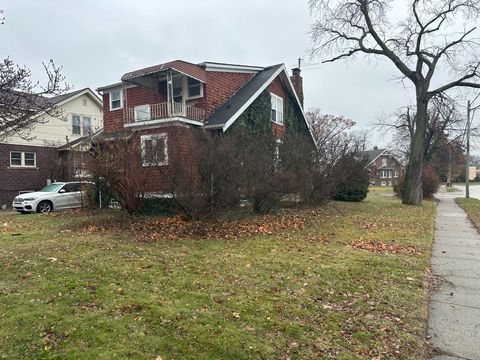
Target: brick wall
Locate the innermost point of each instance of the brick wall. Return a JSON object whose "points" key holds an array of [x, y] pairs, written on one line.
{"points": [[392, 166], [276, 87], [13, 180]]}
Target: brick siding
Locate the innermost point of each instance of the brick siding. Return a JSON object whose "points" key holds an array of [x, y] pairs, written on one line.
{"points": [[13, 180]]}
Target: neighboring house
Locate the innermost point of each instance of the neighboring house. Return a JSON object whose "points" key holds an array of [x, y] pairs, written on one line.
{"points": [[151, 103], [30, 164], [385, 169]]}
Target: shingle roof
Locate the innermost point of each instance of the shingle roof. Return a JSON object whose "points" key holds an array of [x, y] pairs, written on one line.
{"points": [[186, 68], [371, 154], [230, 108]]}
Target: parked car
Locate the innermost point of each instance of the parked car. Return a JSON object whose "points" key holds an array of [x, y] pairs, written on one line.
{"points": [[53, 197]]}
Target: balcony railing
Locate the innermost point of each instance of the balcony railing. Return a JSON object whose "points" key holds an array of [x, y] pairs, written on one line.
{"points": [[164, 111]]}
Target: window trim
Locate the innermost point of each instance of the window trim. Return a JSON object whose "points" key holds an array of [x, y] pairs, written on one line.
{"points": [[276, 97], [82, 125], [154, 137], [110, 99], [79, 124], [22, 159]]}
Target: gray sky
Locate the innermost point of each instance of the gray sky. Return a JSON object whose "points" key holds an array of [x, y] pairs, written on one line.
{"points": [[98, 41]]}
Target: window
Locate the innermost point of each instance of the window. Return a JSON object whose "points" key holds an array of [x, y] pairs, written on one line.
{"points": [[396, 174], [277, 109], [81, 125], [87, 125], [76, 127], [142, 112], [383, 183], [384, 174], [22, 159], [84, 102], [195, 88], [276, 154], [384, 162], [154, 150], [116, 100]]}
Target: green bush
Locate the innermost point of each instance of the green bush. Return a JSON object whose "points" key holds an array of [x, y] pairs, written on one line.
{"points": [[351, 179]]}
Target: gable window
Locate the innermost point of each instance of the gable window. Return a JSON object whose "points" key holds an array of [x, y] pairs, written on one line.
{"points": [[142, 112], [116, 100], [22, 159], [154, 150], [195, 88], [277, 109], [384, 162], [81, 125]]}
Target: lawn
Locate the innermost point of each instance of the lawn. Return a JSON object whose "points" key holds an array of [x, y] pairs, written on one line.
{"points": [[472, 207], [347, 281]]}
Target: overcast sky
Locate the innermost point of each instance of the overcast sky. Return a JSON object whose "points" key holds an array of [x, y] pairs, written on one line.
{"points": [[96, 42]]}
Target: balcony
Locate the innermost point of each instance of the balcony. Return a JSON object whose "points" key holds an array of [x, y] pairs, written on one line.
{"points": [[164, 110]]}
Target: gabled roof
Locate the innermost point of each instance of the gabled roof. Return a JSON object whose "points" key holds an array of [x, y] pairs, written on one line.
{"points": [[183, 67], [231, 110], [43, 102], [235, 104], [372, 155]]}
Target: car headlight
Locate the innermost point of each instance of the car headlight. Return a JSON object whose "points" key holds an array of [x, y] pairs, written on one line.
{"points": [[30, 199]]}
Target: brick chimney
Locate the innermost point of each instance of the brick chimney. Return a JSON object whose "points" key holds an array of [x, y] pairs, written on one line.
{"points": [[297, 82]]}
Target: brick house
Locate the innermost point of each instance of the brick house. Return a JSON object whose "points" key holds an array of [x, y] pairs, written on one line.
{"points": [[151, 104], [385, 169], [28, 164]]}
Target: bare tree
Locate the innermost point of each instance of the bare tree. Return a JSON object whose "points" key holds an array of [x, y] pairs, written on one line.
{"points": [[22, 100], [445, 125], [425, 40]]}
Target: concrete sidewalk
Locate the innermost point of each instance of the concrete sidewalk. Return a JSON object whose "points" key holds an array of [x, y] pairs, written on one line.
{"points": [[454, 319]]}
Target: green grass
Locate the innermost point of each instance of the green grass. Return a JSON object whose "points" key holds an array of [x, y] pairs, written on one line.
{"points": [[302, 294], [472, 207]]}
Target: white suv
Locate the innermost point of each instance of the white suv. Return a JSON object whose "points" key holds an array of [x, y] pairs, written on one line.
{"points": [[56, 196]]}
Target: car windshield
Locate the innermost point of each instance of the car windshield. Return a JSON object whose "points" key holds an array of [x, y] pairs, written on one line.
{"points": [[52, 188]]}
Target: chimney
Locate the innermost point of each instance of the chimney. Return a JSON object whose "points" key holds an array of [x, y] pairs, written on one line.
{"points": [[297, 82]]}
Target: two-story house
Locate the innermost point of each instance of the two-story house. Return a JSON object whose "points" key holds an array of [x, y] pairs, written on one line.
{"points": [[29, 163], [151, 103], [385, 169]]}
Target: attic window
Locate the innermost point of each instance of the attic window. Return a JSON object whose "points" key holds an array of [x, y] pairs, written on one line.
{"points": [[195, 88], [116, 100], [277, 109], [384, 162]]}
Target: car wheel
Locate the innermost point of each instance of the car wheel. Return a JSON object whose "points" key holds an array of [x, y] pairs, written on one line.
{"points": [[44, 207]]}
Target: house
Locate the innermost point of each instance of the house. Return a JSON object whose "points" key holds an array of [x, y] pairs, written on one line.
{"points": [[385, 169], [28, 164], [154, 102]]}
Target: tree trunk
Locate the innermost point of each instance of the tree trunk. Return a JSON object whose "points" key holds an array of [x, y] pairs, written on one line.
{"points": [[412, 194]]}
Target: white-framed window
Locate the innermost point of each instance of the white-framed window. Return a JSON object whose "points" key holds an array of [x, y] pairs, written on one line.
{"points": [[116, 101], [395, 174], [384, 162], [87, 125], [154, 149], [81, 125], [277, 109], [195, 88], [76, 125], [142, 112], [23, 159], [383, 183], [385, 174]]}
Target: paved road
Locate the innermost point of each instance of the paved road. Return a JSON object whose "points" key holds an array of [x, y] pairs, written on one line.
{"points": [[454, 318]]}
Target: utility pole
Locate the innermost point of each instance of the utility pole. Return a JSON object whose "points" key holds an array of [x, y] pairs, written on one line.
{"points": [[467, 158]]}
